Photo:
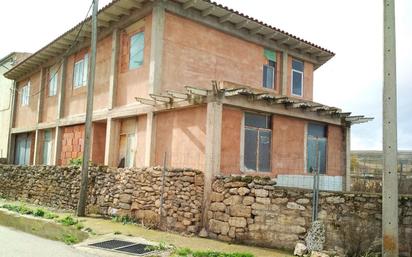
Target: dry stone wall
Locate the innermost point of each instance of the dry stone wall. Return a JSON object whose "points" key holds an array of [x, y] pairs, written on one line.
{"points": [[133, 192], [254, 211]]}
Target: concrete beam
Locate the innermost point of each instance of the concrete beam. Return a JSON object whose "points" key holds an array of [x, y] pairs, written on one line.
{"points": [[113, 68], [62, 89], [212, 152], [284, 72], [156, 47], [244, 103], [150, 139]]}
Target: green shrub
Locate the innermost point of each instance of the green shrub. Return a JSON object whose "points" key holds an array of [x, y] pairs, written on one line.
{"points": [[39, 213], [68, 221], [69, 239], [186, 252], [50, 215], [123, 219], [79, 226]]}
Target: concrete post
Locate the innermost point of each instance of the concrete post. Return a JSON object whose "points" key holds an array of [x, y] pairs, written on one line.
{"points": [[10, 150], [62, 89], [150, 139], [113, 68], [347, 159], [212, 152], [390, 247], [40, 96], [36, 155], [112, 142], [284, 69], [156, 47], [57, 145]]}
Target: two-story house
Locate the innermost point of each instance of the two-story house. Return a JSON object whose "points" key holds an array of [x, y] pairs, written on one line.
{"points": [[215, 89]]}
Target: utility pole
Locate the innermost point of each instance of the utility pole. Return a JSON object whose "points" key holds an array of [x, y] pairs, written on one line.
{"points": [[390, 148], [81, 207]]}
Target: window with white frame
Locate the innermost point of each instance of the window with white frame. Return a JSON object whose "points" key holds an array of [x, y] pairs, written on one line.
{"points": [[257, 142], [136, 50], [297, 78], [53, 81], [80, 72], [25, 94]]}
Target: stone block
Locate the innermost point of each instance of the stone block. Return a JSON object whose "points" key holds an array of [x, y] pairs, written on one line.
{"points": [[295, 206], [243, 191], [238, 222], [218, 227], [217, 206], [248, 200], [261, 193], [240, 210]]}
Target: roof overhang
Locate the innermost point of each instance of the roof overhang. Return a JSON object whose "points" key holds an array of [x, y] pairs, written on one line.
{"points": [[205, 11]]}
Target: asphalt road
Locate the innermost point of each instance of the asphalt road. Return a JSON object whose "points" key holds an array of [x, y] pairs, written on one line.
{"points": [[14, 243]]}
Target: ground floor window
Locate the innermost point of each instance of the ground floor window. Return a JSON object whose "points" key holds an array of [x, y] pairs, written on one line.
{"points": [[22, 152], [316, 148], [257, 142]]}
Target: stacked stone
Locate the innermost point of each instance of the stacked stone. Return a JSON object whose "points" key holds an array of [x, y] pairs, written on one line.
{"points": [[136, 192]]}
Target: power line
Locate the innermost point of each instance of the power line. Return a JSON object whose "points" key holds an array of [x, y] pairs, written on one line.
{"points": [[64, 55]]}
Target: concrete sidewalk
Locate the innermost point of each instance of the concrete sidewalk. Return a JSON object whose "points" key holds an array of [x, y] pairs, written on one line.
{"points": [[14, 243]]}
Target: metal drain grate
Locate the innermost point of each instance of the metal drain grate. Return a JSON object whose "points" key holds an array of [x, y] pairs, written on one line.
{"points": [[136, 249], [112, 244], [122, 246]]}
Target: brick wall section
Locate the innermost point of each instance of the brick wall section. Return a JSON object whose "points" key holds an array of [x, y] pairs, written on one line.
{"points": [[252, 210], [72, 143], [134, 192]]}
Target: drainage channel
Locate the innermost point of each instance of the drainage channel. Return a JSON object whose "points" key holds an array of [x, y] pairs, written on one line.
{"points": [[123, 247]]}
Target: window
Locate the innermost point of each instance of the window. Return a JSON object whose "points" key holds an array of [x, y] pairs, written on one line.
{"points": [[136, 50], [316, 148], [47, 147], [22, 149], [257, 142], [297, 78], [80, 72], [269, 70], [25, 95], [52, 81]]}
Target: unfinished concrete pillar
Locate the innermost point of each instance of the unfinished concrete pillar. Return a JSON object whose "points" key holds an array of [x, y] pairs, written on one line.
{"points": [[347, 158], [156, 47], [57, 145], [150, 139], [11, 141], [113, 68], [284, 70], [62, 90], [212, 152], [112, 142], [37, 150]]}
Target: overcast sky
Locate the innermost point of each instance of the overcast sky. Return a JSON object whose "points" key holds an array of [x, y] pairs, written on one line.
{"points": [[352, 80]]}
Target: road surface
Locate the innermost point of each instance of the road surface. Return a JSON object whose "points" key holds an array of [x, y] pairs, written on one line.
{"points": [[14, 243]]}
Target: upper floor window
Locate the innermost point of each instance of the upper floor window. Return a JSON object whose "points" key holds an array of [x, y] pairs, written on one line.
{"points": [[257, 142], [80, 72], [136, 50], [52, 81], [297, 78], [25, 95], [269, 70]]}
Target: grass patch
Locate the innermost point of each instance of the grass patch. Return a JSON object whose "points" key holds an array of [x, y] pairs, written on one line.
{"points": [[79, 226], [50, 215], [117, 233], [39, 213], [186, 252], [68, 221], [123, 219], [69, 239], [162, 246]]}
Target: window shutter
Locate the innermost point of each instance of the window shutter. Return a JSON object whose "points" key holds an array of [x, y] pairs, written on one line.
{"points": [[270, 55]]}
